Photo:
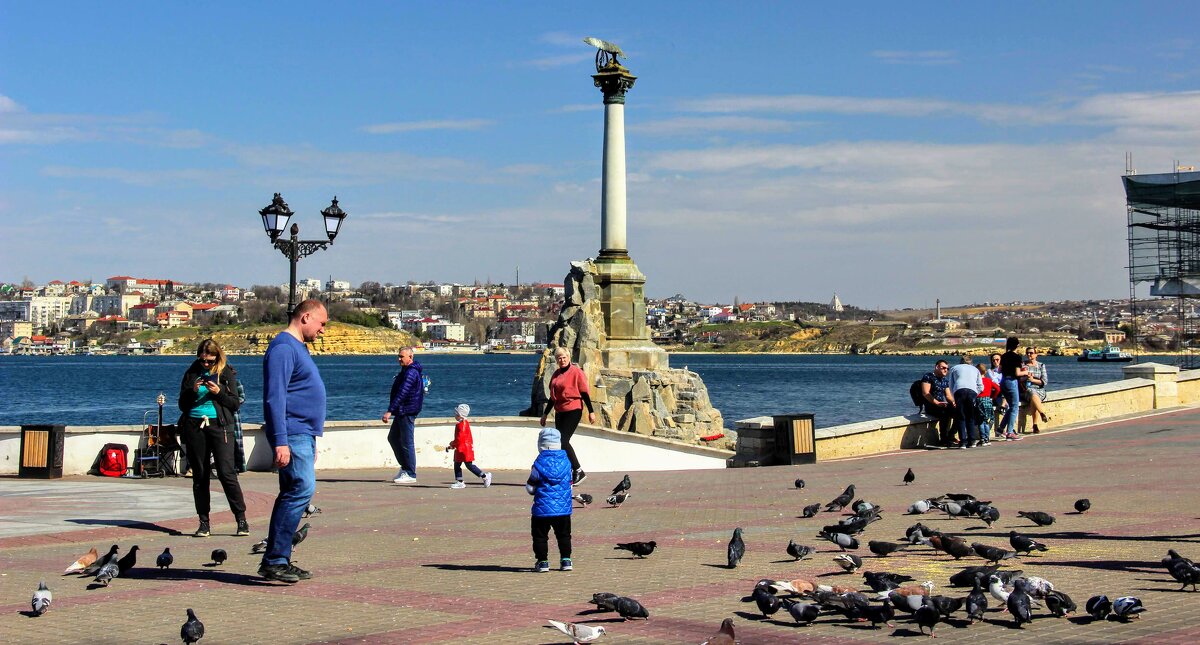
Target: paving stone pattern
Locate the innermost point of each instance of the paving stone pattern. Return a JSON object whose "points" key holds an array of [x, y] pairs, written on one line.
{"points": [[427, 564]]}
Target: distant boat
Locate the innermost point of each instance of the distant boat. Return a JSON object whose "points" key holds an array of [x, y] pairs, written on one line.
{"points": [[1110, 354]]}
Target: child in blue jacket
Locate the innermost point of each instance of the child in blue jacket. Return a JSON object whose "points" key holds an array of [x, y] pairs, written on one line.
{"points": [[550, 484]]}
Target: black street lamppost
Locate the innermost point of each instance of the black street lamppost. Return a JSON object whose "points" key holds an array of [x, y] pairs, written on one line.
{"points": [[275, 219]]}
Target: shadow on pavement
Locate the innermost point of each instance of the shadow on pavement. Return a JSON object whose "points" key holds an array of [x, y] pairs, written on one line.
{"points": [[214, 575], [127, 524], [479, 567]]}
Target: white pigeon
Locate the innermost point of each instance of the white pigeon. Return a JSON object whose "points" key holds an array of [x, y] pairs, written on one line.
{"points": [[1037, 587], [996, 588], [42, 599], [578, 632]]}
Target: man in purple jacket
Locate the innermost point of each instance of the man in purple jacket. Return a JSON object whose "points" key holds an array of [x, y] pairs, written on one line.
{"points": [[293, 418], [404, 403]]}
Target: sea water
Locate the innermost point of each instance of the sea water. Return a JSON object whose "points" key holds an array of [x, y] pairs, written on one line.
{"points": [[121, 390]]}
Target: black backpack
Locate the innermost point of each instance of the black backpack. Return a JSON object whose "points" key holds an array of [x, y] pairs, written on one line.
{"points": [[916, 392]]}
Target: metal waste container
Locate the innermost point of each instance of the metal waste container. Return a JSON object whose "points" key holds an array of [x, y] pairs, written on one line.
{"points": [[795, 439], [42, 451]]}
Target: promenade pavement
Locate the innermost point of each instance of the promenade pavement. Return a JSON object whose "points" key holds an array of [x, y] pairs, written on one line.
{"points": [[427, 564]]}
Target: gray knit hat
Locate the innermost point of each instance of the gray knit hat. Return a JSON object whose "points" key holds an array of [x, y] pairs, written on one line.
{"points": [[463, 410], [549, 439]]}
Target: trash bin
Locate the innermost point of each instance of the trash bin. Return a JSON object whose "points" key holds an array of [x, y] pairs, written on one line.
{"points": [[795, 439], [42, 451]]}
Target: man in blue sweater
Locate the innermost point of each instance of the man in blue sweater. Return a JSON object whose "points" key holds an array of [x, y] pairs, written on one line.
{"points": [[294, 416]]}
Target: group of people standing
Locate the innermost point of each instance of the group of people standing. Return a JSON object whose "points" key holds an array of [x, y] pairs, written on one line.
{"points": [[294, 398], [967, 399]]}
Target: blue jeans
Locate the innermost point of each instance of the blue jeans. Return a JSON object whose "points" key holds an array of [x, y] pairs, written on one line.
{"points": [[297, 483], [403, 444], [964, 422], [1010, 388]]}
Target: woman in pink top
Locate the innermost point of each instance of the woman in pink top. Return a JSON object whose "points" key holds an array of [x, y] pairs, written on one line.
{"points": [[568, 395]]}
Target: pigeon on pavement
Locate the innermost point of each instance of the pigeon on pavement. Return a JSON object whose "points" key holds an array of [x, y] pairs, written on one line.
{"points": [[944, 605], [842, 500], [192, 630], [880, 614], [996, 588], [841, 539], [219, 556], [300, 534], [259, 546], [42, 598], [106, 573], [989, 515], [1126, 608], [977, 603], [884, 581], [1059, 603], [882, 548], [919, 507], [94, 568], [799, 551], [165, 559], [926, 616], [126, 563], [909, 477], [848, 562], [310, 511], [1037, 517], [83, 562], [802, 612], [640, 549], [1024, 544], [623, 486], [737, 548], [583, 498], [767, 603], [799, 483], [993, 554], [1098, 607], [629, 608], [578, 632], [1018, 604], [605, 601], [1184, 572], [618, 499], [969, 575], [1082, 505], [907, 604], [811, 510], [724, 635]]}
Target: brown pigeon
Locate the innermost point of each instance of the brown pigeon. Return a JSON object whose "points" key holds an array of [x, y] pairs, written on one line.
{"points": [[83, 562]]}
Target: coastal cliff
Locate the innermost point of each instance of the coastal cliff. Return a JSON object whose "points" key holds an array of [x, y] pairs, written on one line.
{"points": [[339, 338]]}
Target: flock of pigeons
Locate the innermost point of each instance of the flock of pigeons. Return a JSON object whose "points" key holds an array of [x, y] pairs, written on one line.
{"points": [[890, 594], [113, 565]]}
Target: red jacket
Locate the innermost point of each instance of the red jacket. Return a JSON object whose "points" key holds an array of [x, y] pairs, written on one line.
{"points": [[463, 444]]}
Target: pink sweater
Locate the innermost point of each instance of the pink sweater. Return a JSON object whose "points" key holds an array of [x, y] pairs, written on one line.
{"points": [[566, 386]]}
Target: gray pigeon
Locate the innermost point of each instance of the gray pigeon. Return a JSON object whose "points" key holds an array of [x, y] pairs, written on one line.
{"points": [[42, 599], [1126, 608], [848, 562], [106, 573], [993, 554], [926, 616], [989, 515], [300, 535], [311, 510], [737, 548], [629, 608], [909, 477], [767, 603], [1098, 607], [919, 507], [977, 603], [882, 548], [803, 613], [94, 567], [605, 601], [618, 499], [1059, 603], [259, 546], [1024, 544], [1019, 604], [1037, 517], [799, 551], [799, 483], [811, 510], [841, 539], [622, 487], [1184, 572], [165, 559], [192, 630]]}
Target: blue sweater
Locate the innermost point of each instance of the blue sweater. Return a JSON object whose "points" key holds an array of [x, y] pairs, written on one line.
{"points": [[550, 479], [293, 392]]}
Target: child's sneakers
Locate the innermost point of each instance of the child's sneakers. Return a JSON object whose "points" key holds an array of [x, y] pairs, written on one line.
{"points": [[542, 566], [487, 480], [565, 565], [458, 484]]}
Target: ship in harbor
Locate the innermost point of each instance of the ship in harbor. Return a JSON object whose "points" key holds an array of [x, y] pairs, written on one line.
{"points": [[1108, 354]]}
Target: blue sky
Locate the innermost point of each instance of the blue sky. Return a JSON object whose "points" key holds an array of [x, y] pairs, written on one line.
{"points": [[785, 151]]}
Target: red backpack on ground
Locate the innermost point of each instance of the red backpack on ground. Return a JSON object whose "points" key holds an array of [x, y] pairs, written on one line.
{"points": [[113, 460]]}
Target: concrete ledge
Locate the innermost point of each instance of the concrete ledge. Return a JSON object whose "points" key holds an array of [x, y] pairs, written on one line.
{"points": [[502, 443]]}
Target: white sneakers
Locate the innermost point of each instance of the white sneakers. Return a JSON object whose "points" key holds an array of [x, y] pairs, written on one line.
{"points": [[458, 485], [403, 478], [487, 480]]}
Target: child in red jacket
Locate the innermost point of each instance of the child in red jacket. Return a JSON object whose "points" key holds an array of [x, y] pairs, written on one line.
{"points": [[464, 449]]}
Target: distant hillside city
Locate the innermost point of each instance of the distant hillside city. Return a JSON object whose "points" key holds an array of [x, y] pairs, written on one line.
{"points": [[121, 315]]}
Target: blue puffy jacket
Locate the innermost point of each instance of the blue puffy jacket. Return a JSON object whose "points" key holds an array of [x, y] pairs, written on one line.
{"points": [[408, 391], [550, 479]]}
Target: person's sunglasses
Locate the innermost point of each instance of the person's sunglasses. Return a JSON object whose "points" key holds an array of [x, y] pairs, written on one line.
{"points": [[208, 361]]}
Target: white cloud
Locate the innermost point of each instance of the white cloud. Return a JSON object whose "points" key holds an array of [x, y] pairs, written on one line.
{"points": [[689, 125], [926, 58], [8, 106], [432, 124], [554, 62]]}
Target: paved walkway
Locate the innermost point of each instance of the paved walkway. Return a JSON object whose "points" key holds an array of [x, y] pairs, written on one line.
{"points": [[426, 564]]}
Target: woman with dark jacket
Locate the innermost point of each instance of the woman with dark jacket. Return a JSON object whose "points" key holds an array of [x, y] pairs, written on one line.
{"points": [[208, 398]]}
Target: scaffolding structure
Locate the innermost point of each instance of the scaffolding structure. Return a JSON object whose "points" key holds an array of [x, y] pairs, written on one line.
{"points": [[1164, 250]]}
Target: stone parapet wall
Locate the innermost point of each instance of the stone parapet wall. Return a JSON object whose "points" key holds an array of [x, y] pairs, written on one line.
{"points": [[502, 443]]}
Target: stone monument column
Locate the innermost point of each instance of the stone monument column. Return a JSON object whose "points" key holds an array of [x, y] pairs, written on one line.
{"points": [[613, 80]]}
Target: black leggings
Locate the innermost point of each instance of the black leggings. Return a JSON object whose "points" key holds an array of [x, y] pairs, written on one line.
{"points": [[220, 443], [539, 528], [565, 423]]}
